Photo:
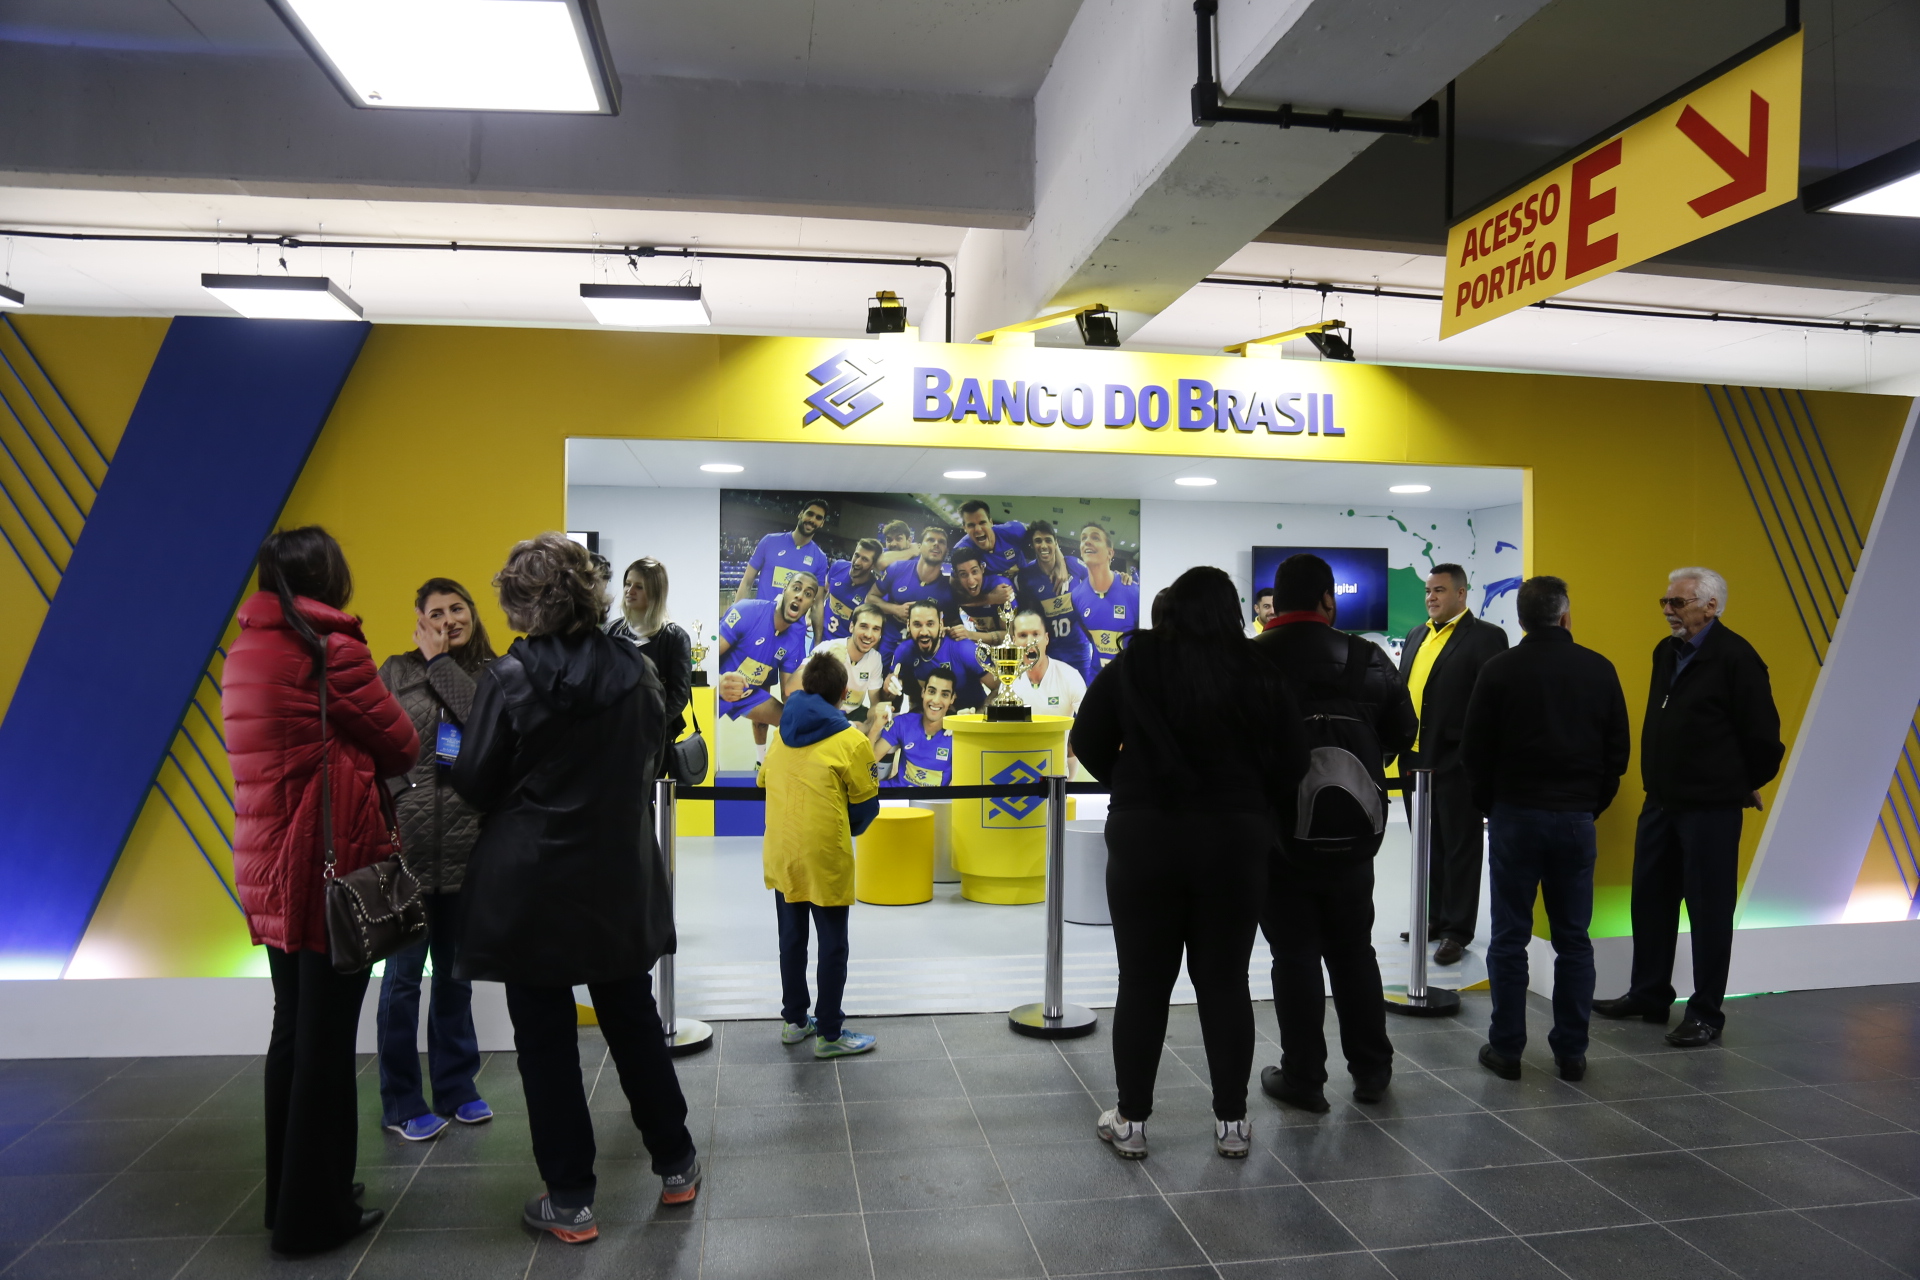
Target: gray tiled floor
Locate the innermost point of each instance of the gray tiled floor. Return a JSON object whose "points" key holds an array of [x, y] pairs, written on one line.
{"points": [[961, 1152]]}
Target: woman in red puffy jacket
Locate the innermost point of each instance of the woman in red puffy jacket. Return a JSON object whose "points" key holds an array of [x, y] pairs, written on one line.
{"points": [[290, 630]]}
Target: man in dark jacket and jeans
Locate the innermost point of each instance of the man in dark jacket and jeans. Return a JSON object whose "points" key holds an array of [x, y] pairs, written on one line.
{"points": [[1710, 741], [1319, 906], [1546, 742]]}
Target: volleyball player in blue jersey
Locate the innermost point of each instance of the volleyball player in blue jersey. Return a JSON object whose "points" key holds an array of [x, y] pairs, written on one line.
{"points": [[1108, 604], [1046, 585]]}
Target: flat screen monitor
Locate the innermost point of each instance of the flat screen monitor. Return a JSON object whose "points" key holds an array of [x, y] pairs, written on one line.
{"points": [[1359, 581]]}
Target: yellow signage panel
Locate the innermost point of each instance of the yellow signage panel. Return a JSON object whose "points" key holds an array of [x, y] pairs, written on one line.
{"points": [[1720, 154]]}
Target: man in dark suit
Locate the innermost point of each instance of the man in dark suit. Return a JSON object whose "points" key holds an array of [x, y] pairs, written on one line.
{"points": [[1710, 741], [1439, 665]]}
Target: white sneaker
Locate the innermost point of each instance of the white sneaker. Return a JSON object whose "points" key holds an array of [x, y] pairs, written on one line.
{"points": [[1233, 1138], [1128, 1137]]}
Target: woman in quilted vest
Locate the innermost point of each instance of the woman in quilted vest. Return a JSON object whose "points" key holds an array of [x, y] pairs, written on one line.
{"points": [[434, 683], [295, 640]]}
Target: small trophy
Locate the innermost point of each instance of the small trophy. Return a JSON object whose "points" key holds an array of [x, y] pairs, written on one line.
{"points": [[1011, 661], [699, 657]]}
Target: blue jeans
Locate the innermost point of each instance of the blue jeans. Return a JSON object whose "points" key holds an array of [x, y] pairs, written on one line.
{"points": [[453, 1050], [1531, 849], [832, 975]]}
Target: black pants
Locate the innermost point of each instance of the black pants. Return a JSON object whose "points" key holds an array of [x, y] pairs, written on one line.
{"points": [[546, 1033], [831, 925], [313, 1124], [1322, 910], [1453, 877], [1184, 882], [1695, 855]]}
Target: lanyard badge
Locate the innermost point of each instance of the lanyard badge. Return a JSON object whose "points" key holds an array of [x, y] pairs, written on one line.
{"points": [[446, 744]]}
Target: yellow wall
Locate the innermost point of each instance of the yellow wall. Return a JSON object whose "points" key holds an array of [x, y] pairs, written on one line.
{"points": [[448, 445]]}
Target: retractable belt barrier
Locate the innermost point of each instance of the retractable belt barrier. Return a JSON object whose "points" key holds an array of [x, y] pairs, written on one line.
{"points": [[1051, 1018]]}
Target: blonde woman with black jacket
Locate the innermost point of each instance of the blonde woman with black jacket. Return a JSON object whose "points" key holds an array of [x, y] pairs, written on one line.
{"points": [[434, 683]]}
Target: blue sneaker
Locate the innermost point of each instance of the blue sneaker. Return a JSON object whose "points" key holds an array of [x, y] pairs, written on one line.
{"points": [[475, 1112], [420, 1128], [792, 1033], [849, 1043]]}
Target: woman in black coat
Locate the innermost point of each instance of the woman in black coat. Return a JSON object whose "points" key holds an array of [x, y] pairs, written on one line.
{"points": [[1195, 737], [566, 886]]}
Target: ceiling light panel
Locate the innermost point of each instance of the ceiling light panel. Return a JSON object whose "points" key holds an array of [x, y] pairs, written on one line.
{"points": [[282, 297], [11, 299], [647, 306], [461, 55]]}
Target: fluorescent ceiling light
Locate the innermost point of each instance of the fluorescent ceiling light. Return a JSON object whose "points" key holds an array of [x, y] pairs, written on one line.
{"points": [[964, 475], [11, 299], [722, 468], [646, 306], [1196, 482], [283, 297], [1410, 488], [1887, 185], [461, 55]]}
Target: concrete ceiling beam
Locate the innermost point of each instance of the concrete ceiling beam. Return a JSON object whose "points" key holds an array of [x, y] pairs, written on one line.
{"points": [[1134, 204], [274, 125]]}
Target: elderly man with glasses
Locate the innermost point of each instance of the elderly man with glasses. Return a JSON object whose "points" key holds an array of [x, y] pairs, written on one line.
{"points": [[1710, 741]]}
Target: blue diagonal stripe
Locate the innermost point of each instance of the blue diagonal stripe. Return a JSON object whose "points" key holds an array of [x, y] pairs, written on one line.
{"points": [[224, 424]]}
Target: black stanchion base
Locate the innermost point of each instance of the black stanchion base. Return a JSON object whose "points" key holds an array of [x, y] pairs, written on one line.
{"points": [[690, 1035], [1032, 1020], [1436, 1003]]}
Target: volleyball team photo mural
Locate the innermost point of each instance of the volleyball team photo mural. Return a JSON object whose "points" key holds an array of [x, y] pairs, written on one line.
{"points": [[903, 587]]}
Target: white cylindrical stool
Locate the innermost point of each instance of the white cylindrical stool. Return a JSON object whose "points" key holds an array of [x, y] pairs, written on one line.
{"points": [[1083, 891], [943, 872]]}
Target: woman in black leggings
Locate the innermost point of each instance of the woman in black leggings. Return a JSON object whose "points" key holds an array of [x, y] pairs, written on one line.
{"points": [[1193, 735]]}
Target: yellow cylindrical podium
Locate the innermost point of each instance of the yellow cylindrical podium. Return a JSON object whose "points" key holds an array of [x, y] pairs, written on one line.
{"points": [[893, 859], [1000, 846]]}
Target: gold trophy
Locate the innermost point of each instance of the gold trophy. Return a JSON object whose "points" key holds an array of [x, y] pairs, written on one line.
{"points": [[1011, 661], [699, 656]]}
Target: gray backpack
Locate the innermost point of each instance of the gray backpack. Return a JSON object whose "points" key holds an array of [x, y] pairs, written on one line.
{"points": [[1342, 800]]}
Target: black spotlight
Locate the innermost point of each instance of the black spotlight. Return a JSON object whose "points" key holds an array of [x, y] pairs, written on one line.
{"points": [[1099, 328], [886, 313], [1331, 345]]}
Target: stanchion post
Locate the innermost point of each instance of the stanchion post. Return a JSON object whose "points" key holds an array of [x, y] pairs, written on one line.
{"points": [[1053, 1018], [684, 1035], [1420, 1000]]}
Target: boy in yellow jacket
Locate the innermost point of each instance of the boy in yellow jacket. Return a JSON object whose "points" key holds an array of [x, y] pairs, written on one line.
{"points": [[820, 795]]}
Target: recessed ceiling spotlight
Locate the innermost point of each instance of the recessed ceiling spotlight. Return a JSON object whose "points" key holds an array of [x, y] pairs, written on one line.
{"points": [[1410, 488], [11, 299], [461, 55], [964, 475], [722, 468], [646, 306], [1196, 482], [282, 297]]}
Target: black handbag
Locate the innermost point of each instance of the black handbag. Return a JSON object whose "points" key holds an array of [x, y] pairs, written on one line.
{"points": [[375, 911], [687, 758]]}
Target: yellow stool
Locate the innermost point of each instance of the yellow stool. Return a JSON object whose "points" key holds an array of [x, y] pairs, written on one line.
{"points": [[893, 861]]}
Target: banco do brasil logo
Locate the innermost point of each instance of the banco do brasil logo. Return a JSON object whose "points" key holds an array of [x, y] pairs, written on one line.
{"points": [[845, 390], [1017, 774]]}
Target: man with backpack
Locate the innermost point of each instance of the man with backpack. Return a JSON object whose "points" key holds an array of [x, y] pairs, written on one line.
{"points": [[1546, 741], [1319, 903]]}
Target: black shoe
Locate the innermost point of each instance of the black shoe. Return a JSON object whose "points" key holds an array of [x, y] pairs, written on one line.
{"points": [[1572, 1068], [1628, 1007], [1372, 1088], [369, 1218], [1692, 1034], [1449, 952], [359, 1192], [1505, 1068], [1307, 1097]]}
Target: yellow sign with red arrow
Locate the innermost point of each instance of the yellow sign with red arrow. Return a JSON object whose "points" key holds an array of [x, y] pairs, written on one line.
{"points": [[1707, 159]]}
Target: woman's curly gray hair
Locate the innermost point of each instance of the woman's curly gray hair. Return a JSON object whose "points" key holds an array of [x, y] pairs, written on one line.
{"points": [[549, 586]]}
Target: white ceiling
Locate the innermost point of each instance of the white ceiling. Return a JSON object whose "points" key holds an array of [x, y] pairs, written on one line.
{"points": [[1407, 332], [825, 300], [675, 464]]}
